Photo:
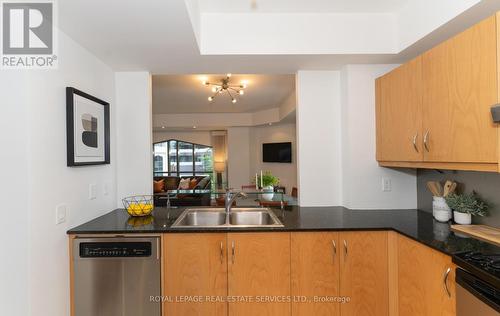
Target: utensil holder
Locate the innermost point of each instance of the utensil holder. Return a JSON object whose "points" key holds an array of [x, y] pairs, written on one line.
{"points": [[440, 210]]}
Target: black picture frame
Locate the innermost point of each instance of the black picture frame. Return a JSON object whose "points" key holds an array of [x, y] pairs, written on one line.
{"points": [[70, 124]]}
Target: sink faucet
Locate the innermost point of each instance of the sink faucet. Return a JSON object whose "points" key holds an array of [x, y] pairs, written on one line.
{"points": [[230, 198]]}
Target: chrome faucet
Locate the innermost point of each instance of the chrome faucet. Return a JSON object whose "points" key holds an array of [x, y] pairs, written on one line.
{"points": [[230, 198]]}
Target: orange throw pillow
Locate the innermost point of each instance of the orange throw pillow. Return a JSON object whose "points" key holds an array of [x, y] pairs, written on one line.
{"points": [[159, 186], [193, 183]]}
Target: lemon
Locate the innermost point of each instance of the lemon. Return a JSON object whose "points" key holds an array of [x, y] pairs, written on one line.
{"points": [[139, 209]]}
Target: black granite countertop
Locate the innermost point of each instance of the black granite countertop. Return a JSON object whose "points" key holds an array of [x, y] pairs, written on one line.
{"points": [[415, 224]]}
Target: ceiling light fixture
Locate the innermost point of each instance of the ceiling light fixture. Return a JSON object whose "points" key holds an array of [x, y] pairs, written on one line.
{"points": [[225, 86]]}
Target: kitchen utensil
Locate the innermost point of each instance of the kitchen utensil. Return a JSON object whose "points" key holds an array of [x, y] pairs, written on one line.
{"points": [[435, 188], [432, 188], [447, 186], [453, 188], [439, 188], [483, 232]]}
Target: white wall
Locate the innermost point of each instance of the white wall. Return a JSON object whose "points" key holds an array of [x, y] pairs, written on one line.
{"points": [[134, 131], [35, 275], [238, 156], [14, 191], [362, 177], [198, 137], [217, 120], [416, 20], [288, 105], [318, 138], [298, 33], [287, 172]]}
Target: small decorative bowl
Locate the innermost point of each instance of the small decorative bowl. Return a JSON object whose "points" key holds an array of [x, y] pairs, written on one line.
{"points": [[139, 205]]}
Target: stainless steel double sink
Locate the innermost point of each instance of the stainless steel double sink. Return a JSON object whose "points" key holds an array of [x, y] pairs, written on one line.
{"points": [[217, 217]]}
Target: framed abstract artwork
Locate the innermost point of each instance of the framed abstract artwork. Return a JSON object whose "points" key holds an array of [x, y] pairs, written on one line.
{"points": [[87, 129]]}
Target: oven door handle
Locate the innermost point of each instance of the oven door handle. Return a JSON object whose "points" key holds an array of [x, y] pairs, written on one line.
{"points": [[472, 284]]}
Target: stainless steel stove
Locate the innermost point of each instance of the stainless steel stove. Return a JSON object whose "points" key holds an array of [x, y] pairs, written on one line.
{"points": [[478, 283]]}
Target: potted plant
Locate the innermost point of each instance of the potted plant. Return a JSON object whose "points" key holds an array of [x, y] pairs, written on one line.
{"points": [[268, 182], [466, 205]]}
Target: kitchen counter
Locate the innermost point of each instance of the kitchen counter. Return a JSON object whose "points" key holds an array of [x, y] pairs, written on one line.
{"points": [[414, 224]]}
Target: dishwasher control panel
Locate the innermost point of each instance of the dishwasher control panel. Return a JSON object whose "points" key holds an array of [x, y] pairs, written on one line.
{"points": [[115, 249]]}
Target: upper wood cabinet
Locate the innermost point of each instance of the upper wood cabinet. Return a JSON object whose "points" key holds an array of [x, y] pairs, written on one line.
{"points": [[426, 280], [259, 267], [315, 272], [364, 273], [444, 97], [194, 265], [399, 119], [460, 86]]}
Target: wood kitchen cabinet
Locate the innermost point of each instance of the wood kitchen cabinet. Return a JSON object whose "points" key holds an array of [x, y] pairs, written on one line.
{"points": [[426, 280], [259, 266], [382, 273], [399, 116], [443, 97], [460, 84], [194, 265], [364, 273], [315, 272]]}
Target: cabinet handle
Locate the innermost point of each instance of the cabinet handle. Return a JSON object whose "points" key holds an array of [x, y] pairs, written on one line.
{"points": [[221, 253], [426, 138], [415, 142], [345, 249], [445, 282], [334, 249], [232, 251]]}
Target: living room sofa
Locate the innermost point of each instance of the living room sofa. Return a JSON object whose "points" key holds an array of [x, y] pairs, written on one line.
{"points": [[184, 199]]}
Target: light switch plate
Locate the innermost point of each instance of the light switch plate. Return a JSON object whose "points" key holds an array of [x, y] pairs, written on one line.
{"points": [[386, 185], [61, 212], [92, 191], [105, 189]]}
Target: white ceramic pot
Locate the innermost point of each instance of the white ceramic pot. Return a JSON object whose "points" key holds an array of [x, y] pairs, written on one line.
{"points": [[462, 218], [440, 209], [441, 215], [268, 196]]}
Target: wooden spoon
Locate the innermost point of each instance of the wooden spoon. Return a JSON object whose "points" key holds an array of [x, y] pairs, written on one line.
{"points": [[431, 185], [453, 187], [447, 187]]}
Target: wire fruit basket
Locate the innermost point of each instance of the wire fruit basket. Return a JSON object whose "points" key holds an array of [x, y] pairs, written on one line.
{"points": [[138, 205]]}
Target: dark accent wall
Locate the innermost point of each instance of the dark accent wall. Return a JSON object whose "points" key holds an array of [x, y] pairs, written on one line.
{"points": [[485, 184]]}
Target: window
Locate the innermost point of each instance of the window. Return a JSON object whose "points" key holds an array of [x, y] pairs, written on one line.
{"points": [[177, 158]]}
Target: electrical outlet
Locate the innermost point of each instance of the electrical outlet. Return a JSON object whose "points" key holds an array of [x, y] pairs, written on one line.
{"points": [[386, 185], [105, 189], [61, 211], [92, 191]]}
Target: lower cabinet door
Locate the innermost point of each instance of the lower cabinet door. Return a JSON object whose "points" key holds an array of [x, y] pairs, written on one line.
{"points": [[426, 280], [195, 274], [259, 274], [315, 274], [364, 273]]}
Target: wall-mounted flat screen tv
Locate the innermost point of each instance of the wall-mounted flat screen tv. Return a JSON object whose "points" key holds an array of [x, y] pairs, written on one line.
{"points": [[277, 152]]}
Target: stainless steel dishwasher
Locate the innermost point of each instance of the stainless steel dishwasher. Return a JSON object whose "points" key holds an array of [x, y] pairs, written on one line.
{"points": [[116, 276]]}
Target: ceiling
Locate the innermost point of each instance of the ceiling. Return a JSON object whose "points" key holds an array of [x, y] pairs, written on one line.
{"points": [[165, 37], [186, 94], [301, 5]]}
